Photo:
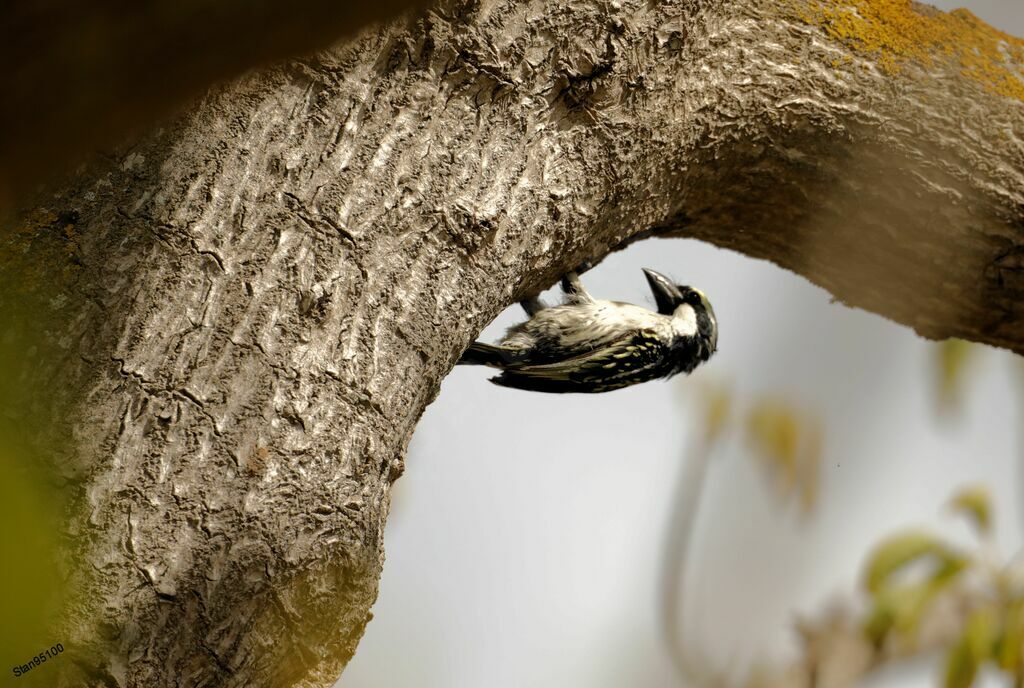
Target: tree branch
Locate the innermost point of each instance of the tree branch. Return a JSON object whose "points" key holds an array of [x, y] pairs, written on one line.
{"points": [[234, 324]]}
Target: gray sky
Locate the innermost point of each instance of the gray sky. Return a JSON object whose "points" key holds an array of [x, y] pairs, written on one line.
{"points": [[1007, 15], [524, 543]]}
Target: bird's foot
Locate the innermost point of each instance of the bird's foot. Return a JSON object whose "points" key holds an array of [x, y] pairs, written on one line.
{"points": [[573, 288], [532, 305]]}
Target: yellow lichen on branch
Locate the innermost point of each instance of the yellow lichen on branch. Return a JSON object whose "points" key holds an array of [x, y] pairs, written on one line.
{"points": [[898, 31]]}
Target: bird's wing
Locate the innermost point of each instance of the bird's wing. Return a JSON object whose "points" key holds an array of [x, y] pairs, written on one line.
{"points": [[562, 332], [626, 356]]}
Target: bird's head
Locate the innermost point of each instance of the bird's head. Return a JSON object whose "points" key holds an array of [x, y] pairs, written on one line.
{"points": [[676, 299]]}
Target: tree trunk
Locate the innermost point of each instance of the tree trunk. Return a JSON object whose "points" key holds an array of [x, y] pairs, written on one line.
{"points": [[236, 323], [111, 67]]}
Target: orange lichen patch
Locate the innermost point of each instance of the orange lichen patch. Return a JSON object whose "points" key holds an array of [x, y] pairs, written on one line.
{"points": [[899, 31]]}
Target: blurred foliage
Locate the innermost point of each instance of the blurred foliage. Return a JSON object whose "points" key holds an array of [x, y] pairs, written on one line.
{"points": [[953, 358], [989, 627], [31, 497], [718, 404], [973, 502], [29, 510], [971, 650], [923, 595], [898, 605], [898, 551], [29, 584], [789, 441]]}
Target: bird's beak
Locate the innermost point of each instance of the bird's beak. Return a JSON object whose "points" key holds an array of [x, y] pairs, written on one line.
{"points": [[666, 294]]}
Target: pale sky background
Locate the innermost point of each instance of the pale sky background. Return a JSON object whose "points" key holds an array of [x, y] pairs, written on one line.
{"points": [[525, 539]]}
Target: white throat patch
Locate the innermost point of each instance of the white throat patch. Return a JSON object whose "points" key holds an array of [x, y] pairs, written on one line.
{"points": [[684, 321]]}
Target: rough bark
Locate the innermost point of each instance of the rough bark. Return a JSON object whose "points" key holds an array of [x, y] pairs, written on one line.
{"points": [[245, 313]]}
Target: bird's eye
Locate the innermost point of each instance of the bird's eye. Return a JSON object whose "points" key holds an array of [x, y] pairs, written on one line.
{"points": [[695, 297]]}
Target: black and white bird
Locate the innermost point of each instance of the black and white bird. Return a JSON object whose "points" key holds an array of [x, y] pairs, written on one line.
{"points": [[587, 345]]}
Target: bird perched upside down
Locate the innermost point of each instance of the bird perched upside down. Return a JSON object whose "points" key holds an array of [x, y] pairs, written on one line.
{"points": [[586, 345]]}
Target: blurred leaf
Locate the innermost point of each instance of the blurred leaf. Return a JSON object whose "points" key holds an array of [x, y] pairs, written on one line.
{"points": [[899, 609], [975, 646], [961, 667], [953, 358], [33, 289], [790, 442], [980, 633], [774, 430], [975, 503], [1009, 646], [718, 405], [29, 587], [810, 467], [897, 551]]}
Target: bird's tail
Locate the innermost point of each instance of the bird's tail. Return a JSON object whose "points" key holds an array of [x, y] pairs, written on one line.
{"points": [[479, 353]]}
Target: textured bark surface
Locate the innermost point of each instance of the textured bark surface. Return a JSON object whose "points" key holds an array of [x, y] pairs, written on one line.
{"points": [[247, 312]]}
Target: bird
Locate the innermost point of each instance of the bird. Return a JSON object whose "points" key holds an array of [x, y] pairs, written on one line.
{"points": [[586, 345]]}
